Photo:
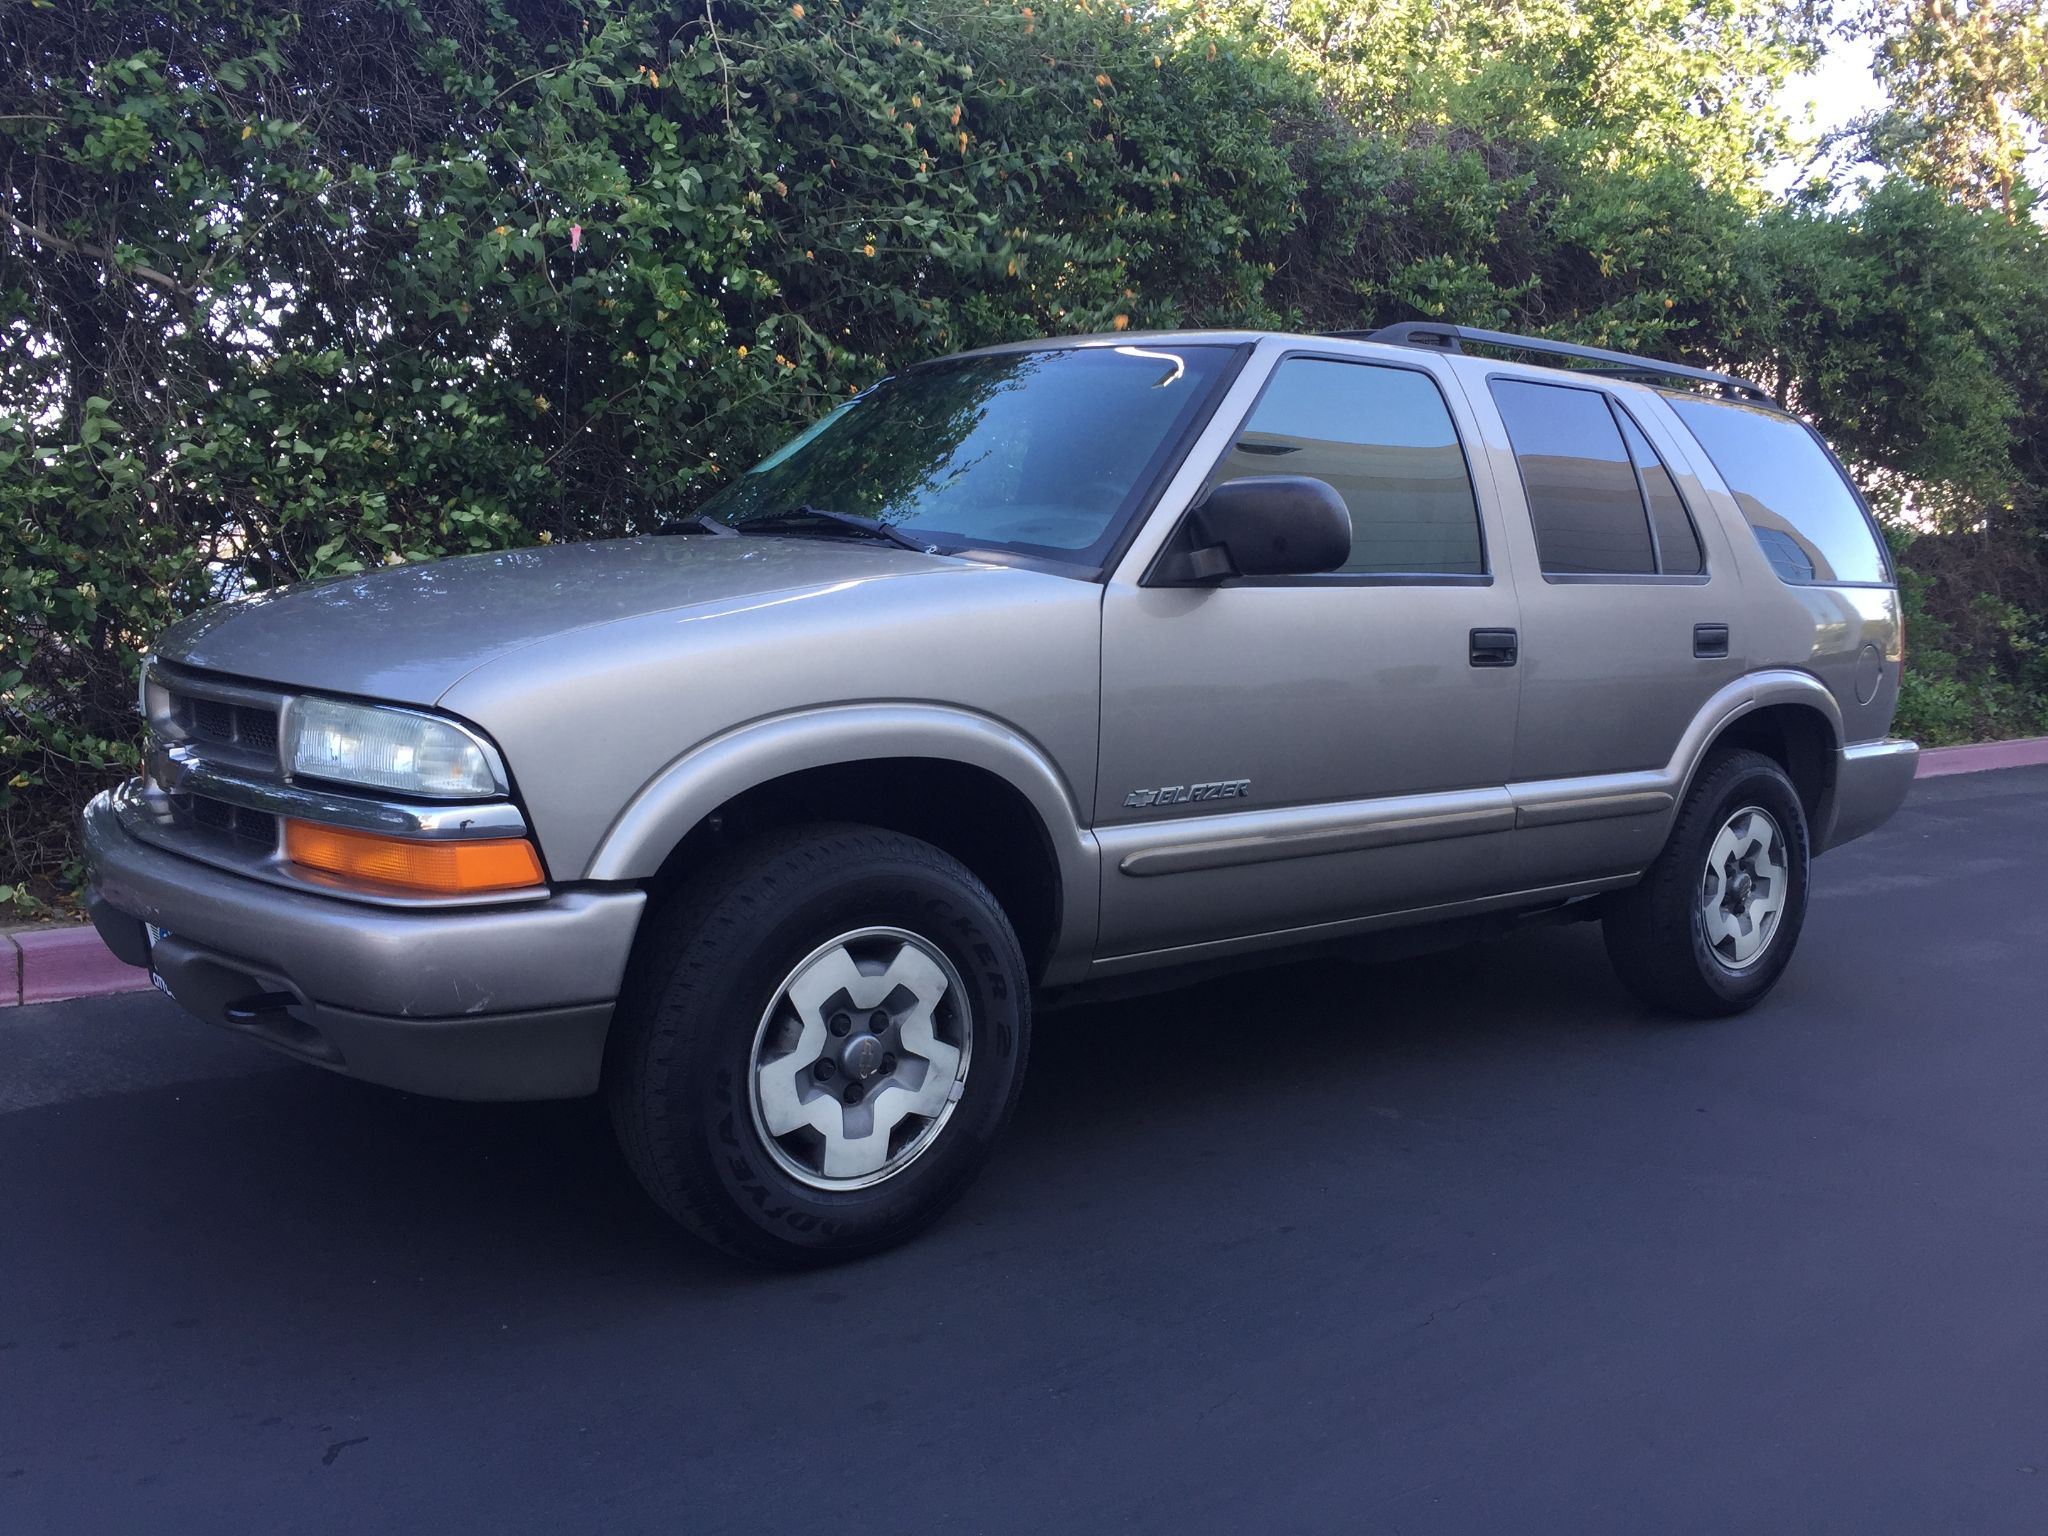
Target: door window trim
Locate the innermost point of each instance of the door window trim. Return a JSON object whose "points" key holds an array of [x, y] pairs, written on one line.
{"points": [[1166, 463], [1483, 577], [1605, 578], [1620, 408]]}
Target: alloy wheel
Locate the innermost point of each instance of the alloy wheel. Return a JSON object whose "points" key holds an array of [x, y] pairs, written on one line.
{"points": [[1744, 888], [860, 1058]]}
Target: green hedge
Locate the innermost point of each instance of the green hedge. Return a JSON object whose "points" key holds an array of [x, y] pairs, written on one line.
{"points": [[290, 291]]}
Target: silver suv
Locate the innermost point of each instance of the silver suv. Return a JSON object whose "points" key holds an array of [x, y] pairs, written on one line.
{"points": [[1022, 673]]}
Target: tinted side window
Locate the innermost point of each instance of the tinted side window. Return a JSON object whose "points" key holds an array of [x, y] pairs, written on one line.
{"points": [[1678, 542], [1797, 503], [1383, 437], [1581, 485]]}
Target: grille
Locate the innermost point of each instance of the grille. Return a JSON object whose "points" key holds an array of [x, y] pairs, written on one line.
{"points": [[258, 829], [218, 723], [223, 726], [212, 720], [256, 729]]}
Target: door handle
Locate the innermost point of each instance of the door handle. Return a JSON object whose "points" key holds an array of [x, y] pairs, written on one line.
{"points": [[1495, 647], [1710, 640]]}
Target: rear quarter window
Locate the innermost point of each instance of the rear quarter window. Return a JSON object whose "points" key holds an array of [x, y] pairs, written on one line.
{"points": [[1804, 514]]}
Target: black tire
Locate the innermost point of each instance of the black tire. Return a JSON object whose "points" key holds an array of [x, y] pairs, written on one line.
{"points": [[1655, 932], [680, 1062]]}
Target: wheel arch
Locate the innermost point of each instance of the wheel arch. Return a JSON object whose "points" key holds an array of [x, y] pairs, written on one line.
{"points": [[1789, 717], [964, 782]]}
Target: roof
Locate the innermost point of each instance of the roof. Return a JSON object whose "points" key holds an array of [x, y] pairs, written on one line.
{"points": [[1433, 337]]}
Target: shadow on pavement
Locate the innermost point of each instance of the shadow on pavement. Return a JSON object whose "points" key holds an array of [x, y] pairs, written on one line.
{"points": [[287, 1176]]}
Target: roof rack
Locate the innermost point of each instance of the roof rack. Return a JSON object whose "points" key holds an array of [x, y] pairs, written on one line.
{"points": [[1449, 338]]}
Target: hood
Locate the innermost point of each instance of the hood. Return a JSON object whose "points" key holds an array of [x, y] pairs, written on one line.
{"points": [[409, 633]]}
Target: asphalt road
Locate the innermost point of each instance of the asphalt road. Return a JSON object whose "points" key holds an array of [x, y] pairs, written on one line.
{"points": [[1459, 1244]]}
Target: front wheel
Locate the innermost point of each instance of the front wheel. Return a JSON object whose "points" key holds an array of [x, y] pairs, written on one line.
{"points": [[819, 1044], [1712, 925]]}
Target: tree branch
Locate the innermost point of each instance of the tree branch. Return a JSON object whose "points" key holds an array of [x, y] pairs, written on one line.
{"points": [[58, 243]]}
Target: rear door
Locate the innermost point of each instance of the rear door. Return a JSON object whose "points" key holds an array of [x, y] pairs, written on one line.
{"points": [[1629, 604], [1279, 753]]}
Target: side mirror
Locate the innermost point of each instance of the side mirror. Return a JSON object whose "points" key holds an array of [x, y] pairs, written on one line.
{"points": [[1262, 525]]}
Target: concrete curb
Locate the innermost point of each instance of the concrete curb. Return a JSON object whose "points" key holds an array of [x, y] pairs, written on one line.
{"points": [[2028, 752], [49, 965]]}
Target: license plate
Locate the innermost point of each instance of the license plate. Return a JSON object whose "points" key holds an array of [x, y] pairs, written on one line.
{"points": [[156, 936]]}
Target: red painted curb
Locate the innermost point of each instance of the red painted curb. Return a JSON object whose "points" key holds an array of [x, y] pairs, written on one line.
{"points": [[59, 963], [2029, 752]]}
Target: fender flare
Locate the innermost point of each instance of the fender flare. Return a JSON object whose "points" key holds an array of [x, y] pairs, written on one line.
{"points": [[1745, 696], [713, 772]]}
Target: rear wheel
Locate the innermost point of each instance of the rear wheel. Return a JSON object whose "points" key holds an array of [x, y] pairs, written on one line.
{"points": [[1713, 923], [819, 1044]]}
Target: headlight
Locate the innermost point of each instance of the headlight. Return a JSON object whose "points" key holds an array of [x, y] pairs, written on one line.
{"points": [[388, 749]]}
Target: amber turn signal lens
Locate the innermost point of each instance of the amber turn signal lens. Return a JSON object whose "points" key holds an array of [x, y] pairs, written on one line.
{"points": [[412, 865]]}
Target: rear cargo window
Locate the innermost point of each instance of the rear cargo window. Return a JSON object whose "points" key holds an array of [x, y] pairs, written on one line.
{"points": [[1808, 520]]}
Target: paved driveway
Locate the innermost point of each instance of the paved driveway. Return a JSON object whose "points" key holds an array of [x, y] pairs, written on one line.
{"points": [[1460, 1244]]}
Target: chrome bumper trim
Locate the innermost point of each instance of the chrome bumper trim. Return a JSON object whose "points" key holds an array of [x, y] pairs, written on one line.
{"points": [[175, 770], [563, 950], [144, 813]]}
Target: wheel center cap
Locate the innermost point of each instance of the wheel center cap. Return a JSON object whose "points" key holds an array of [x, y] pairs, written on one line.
{"points": [[860, 1058], [1740, 894]]}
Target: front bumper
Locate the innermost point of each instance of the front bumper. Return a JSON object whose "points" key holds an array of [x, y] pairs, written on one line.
{"points": [[1871, 781], [506, 1002]]}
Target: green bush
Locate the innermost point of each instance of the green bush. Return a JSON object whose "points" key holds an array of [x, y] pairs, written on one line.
{"points": [[292, 290]]}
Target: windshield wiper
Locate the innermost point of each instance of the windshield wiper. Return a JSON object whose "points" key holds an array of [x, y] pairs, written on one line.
{"points": [[797, 519], [696, 522]]}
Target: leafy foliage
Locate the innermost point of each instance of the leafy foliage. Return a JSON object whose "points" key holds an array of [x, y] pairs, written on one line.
{"points": [[1618, 85], [291, 290], [1968, 81]]}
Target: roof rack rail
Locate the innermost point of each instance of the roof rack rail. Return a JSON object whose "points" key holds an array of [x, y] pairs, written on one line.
{"points": [[1449, 338]]}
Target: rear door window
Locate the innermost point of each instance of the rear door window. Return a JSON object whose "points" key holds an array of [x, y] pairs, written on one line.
{"points": [[1678, 542], [1383, 438], [1584, 499], [1803, 512]]}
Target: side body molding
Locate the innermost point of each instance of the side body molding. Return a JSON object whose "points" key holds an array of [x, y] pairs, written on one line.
{"points": [[714, 771], [1597, 797], [1571, 836]]}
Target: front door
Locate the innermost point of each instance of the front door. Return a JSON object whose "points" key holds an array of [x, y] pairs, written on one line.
{"points": [[1283, 754]]}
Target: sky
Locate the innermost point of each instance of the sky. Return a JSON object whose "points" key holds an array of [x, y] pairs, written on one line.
{"points": [[1840, 90], [1842, 87], [1837, 92]]}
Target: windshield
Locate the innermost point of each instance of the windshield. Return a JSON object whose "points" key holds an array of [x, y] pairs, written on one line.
{"points": [[1043, 452]]}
